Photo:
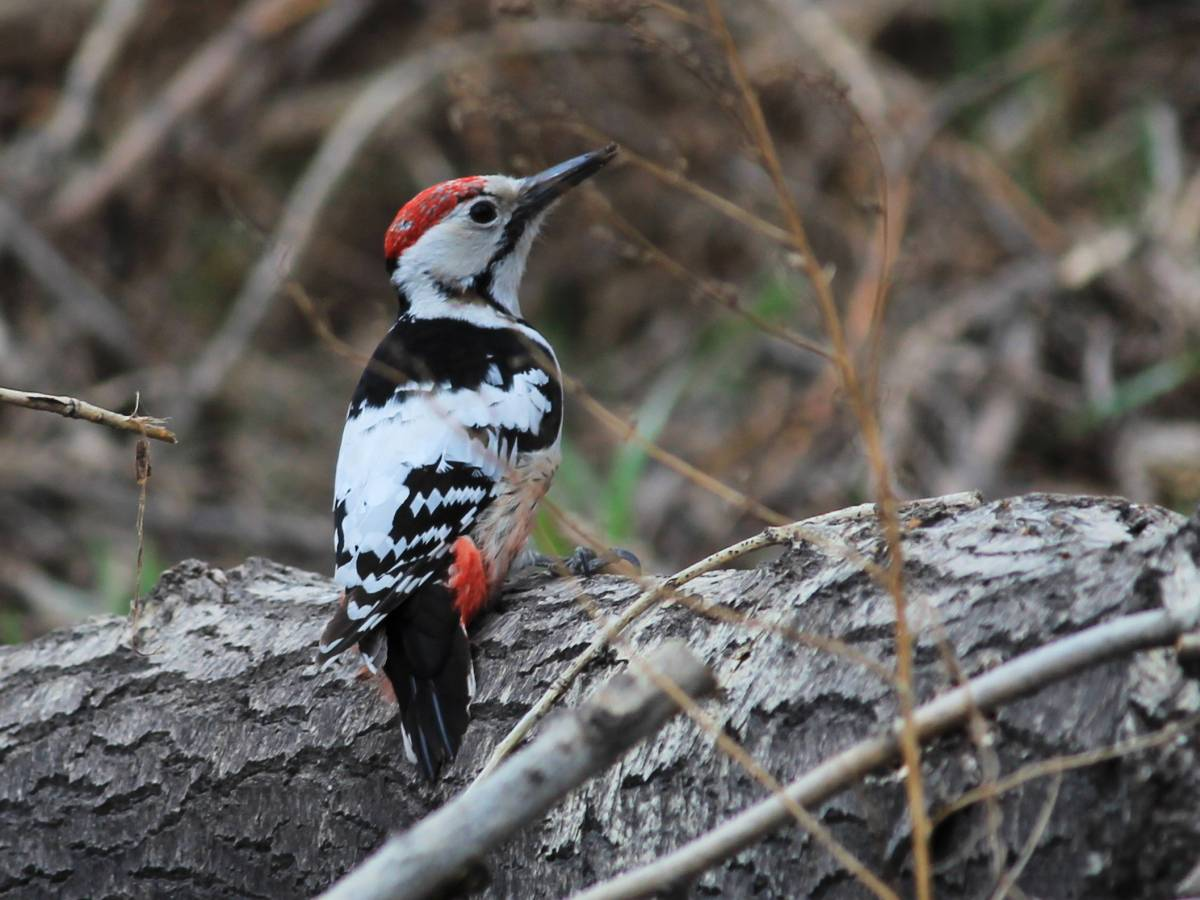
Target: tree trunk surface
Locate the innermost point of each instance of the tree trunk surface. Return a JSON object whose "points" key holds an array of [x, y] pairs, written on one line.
{"points": [[217, 760]]}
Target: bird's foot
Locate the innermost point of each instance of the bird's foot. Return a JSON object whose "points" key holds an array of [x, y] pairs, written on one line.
{"points": [[584, 562]]}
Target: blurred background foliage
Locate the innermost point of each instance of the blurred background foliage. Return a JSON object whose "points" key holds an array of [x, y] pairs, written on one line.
{"points": [[1042, 329]]}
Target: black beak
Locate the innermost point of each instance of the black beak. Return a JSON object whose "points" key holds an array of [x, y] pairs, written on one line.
{"points": [[540, 190]]}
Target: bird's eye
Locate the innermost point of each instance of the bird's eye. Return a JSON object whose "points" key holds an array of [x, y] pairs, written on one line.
{"points": [[483, 212]]}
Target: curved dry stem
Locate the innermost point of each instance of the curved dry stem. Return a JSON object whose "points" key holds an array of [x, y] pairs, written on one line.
{"points": [[600, 643], [706, 287], [1060, 764], [868, 425], [1009, 880], [625, 431]]}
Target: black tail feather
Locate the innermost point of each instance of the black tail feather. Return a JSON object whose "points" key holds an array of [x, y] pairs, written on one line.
{"points": [[433, 705]]}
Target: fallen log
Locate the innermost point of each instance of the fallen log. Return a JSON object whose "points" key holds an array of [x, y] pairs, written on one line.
{"points": [[216, 760]]}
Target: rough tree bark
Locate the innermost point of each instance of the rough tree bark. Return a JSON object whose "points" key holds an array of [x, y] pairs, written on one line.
{"points": [[218, 761]]}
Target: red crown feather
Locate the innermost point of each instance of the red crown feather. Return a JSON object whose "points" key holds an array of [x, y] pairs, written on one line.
{"points": [[425, 210]]}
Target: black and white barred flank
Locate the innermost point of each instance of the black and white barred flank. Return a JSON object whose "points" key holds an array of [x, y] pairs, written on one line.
{"points": [[421, 460]]}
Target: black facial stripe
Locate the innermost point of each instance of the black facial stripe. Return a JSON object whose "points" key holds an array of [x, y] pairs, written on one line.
{"points": [[513, 229]]}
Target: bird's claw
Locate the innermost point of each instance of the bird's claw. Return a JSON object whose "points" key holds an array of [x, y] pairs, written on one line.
{"points": [[585, 562]]}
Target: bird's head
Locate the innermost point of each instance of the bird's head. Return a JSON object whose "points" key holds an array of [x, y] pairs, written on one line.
{"points": [[468, 239]]}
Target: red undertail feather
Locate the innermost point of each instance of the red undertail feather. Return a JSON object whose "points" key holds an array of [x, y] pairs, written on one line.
{"points": [[468, 580]]}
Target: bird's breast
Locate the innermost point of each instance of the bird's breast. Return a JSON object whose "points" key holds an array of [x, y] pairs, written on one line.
{"points": [[502, 530]]}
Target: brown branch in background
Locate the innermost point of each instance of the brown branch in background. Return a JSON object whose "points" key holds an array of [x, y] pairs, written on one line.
{"points": [[205, 72], [97, 52], [89, 310], [79, 409]]}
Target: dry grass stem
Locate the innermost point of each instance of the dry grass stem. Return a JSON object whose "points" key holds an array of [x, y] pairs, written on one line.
{"points": [[601, 642], [625, 431], [860, 401], [715, 292], [649, 598]]}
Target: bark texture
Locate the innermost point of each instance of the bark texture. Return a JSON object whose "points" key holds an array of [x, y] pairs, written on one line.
{"points": [[219, 761]]}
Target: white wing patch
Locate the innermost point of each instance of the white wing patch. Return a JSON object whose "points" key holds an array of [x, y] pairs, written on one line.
{"points": [[425, 426]]}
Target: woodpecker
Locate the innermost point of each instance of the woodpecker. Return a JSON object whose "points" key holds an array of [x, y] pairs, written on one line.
{"points": [[451, 439]]}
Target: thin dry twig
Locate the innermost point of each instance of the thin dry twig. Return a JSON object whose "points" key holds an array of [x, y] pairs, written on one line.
{"points": [[1019, 677], [697, 191], [431, 854], [1060, 764], [625, 431], [1009, 881], [600, 643], [717, 293], [721, 613], [80, 409]]}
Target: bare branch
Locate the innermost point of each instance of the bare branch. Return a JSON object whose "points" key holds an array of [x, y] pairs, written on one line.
{"points": [[439, 848], [1009, 881], [1024, 675], [80, 409], [803, 531]]}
